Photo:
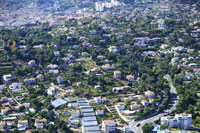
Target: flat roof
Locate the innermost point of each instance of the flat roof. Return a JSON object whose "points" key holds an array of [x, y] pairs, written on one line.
{"points": [[89, 114], [89, 123], [92, 128], [87, 110], [90, 118], [58, 102]]}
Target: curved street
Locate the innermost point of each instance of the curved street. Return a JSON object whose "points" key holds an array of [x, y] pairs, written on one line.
{"points": [[136, 126]]}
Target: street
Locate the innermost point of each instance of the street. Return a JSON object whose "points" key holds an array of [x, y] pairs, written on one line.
{"points": [[136, 126]]}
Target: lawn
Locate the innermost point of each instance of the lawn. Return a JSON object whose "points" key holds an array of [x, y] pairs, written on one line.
{"points": [[88, 64]]}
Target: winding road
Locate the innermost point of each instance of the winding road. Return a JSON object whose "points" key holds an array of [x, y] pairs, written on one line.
{"points": [[136, 126]]}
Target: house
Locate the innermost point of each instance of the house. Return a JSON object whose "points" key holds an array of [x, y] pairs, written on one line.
{"points": [[4, 110], [85, 54], [4, 99], [108, 126], [7, 77], [149, 94], [151, 100], [121, 106], [175, 60], [99, 112], [39, 46], [97, 87], [100, 57], [51, 91], [22, 125], [40, 77], [117, 74], [107, 67], [28, 105], [120, 89], [53, 66], [135, 106], [98, 100], [15, 87], [164, 46], [32, 63], [189, 75], [2, 87], [192, 65], [39, 123], [130, 77], [2, 124], [112, 49], [56, 53], [145, 102], [60, 79], [30, 81], [55, 72]]}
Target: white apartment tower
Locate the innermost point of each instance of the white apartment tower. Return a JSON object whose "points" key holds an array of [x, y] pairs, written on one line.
{"points": [[182, 121]]}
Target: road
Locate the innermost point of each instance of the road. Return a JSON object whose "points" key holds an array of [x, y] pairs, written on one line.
{"points": [[14, 98], [136, 126]]}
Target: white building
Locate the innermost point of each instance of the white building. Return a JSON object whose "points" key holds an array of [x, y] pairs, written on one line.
{"points": [[22, 125], [15, 87], [99, 112], [7, 77], [149, 94], [53, 66], [98, 100], [51, 91], [99, 6], [2, 87], [108, 126], [182, 121], [112, 49], [32, 63]]}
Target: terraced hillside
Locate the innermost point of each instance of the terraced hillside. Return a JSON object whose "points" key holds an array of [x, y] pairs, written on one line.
{"points": [[5, 68]]}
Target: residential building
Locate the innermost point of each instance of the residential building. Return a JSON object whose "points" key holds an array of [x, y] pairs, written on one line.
{"points": [[85, 54], [99, 6], [51, 91], [40, 77], [149, 94], [15, 87], [7, 77], [117, 74], [4, 110], [98, 100], [55, 72], [108, 126], [99, 112], [22, 125], [2, 87], [145, 102], [39, 123], [112, 49], [60, 80], [130, 78], [126, 129], [32, 63], [135, 106], [52, 66], [75, 114], [29, 81], [182, 121], [121, 106]]}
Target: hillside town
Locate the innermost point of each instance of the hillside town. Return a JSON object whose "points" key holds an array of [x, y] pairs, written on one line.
{"points": [[112, 67]]}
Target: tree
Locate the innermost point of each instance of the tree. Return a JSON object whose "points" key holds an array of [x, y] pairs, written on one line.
{"points": [[147, 128]]}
